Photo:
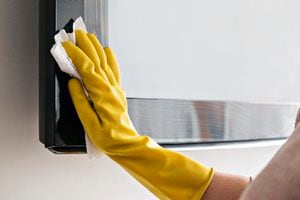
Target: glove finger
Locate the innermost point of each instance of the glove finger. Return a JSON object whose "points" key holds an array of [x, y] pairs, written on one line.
{"points": [[87, 115], [84, 43], [94, 83], [102, 56], [113, 63]]}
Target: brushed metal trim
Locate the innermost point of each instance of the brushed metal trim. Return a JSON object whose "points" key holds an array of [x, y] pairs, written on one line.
{"points": [[96, 18], [189, 122], [227, 146]]}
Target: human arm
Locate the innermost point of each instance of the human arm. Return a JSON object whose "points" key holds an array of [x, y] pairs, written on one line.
{"points": [[168, 174], [280, 179]]}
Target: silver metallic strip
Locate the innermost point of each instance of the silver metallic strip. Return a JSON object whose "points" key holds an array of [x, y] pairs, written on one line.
{"points": [[96, 18], [184, 121], [67, 9], [227, 146]]}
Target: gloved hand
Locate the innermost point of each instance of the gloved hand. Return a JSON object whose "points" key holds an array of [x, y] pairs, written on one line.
{"points": [[167, 174]]}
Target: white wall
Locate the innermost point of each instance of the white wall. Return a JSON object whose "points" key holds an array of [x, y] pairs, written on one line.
{"points": [[27, 169]]}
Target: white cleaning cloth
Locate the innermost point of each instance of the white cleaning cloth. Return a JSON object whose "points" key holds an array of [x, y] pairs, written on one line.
{"points": [[66, 65]]}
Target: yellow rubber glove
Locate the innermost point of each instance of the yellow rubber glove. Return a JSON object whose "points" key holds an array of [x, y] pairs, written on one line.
{"points": [[167, 174]]}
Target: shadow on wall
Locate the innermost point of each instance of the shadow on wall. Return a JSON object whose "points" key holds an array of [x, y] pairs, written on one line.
{"points": [[19, 71]]}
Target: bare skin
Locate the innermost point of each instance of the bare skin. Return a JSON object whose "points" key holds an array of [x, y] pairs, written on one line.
{"points": [[280, 179], [226, 186]]}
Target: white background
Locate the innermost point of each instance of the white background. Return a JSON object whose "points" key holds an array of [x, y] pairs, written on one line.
{"points": [[216, 50], [29, 171]]}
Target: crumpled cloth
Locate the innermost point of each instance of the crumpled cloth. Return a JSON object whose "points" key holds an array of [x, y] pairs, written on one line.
{"points": [[66, 65]]}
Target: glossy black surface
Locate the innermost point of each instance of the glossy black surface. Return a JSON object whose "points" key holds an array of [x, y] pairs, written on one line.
{"points": [[60, 128]]}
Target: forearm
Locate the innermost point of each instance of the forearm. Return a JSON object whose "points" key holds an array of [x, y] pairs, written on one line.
{"points": [[168, 174], [280, 179], [226, 186]]}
